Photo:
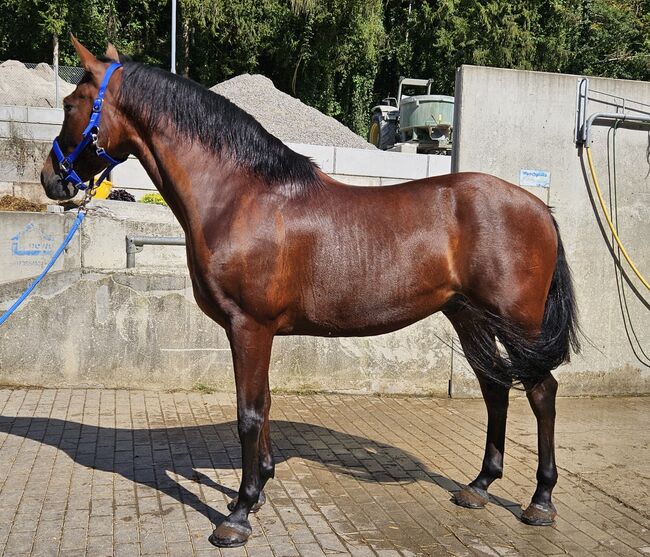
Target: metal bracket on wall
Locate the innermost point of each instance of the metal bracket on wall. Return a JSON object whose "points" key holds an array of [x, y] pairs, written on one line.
{"points": [[628, 113], [134, 245]]}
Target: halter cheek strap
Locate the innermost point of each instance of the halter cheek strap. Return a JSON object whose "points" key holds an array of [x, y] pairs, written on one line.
{"points": [[66, 164]]}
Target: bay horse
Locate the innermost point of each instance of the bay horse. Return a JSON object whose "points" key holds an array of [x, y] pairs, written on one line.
{"points": [[277, 247]]}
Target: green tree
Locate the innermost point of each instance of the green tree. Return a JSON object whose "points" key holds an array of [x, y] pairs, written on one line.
{"points": [[341, 56], [614, 39]]}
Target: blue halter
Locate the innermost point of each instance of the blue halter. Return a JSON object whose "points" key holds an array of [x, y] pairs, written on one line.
{"points": [[66, 164]]}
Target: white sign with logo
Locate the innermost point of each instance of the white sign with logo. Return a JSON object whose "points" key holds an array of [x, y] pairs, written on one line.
{"points": [[534, 178]]}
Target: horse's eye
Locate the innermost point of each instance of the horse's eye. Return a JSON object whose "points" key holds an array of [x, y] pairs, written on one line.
{"points": [[67, 107]]}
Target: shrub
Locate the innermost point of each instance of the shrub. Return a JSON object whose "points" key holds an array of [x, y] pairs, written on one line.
{"points": [[153, 198]]}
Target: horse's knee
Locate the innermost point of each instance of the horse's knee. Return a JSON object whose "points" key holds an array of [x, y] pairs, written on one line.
{"points": [[249, 423]]}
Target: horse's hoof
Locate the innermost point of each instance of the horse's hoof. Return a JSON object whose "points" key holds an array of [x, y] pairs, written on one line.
{"points": [[539, 515], [231, 534], [256, 507], [471, 497]]}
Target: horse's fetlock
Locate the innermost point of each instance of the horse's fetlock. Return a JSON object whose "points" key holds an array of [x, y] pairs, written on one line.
{"points": [[493, 468], [267, 468], [547, 476], [250, 493]]}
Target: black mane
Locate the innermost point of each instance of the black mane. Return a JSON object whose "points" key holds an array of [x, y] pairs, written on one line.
{"points": [[155, 97]]}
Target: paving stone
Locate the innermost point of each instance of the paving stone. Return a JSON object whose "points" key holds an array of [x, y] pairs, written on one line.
{"points": [[104, 472]]}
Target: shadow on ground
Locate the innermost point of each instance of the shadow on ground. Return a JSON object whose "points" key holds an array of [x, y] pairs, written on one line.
{"points": [[145, 456]]}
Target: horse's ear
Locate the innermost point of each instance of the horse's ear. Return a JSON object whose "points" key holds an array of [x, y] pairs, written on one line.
{"points": [[88, 60], [111, 52]]}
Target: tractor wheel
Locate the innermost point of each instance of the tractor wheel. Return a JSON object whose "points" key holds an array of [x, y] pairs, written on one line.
{"points": [[382, 132]]}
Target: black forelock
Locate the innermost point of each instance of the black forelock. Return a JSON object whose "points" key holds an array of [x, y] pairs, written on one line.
{"points": [[156, 98]]}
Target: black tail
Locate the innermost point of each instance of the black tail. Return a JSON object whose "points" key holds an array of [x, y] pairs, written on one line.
{"points": [[527, 360]]}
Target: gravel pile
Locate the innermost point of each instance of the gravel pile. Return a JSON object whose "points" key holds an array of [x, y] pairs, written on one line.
{"points": [[285, 116], [24, 87]]}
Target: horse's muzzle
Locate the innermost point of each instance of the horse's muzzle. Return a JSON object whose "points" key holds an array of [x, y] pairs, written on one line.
{"points": [[55, 187]]}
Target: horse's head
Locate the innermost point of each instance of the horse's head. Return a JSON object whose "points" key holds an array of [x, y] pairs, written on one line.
{"points": [[78, 108]]}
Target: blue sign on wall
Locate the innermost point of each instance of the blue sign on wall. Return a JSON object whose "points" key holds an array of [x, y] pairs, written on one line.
{"points": [[32, 241]]}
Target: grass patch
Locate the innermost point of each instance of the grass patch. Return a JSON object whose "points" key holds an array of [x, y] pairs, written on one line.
{"points": [[204, 389]]}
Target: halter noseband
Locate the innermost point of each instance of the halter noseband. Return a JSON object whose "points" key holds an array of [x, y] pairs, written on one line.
{"points": [[66, 164]]}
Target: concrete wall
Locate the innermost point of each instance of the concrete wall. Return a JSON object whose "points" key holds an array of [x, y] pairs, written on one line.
{"points": [[145, 331], [141, 328], [26, 135], [511, 120]]}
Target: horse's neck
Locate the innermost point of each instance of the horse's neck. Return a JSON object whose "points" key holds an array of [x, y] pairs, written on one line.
{"points": [[188, 177]]}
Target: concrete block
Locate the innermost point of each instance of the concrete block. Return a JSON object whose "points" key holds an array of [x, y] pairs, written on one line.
{"points": [[10, 129], [147, 332], [127, 211], [31, 191], [384, 164], [28, 240], [322, 155], [29, 131], [109, 222], [404, 148], [15, 113], [390, 181], [357, 180], [41, 115], [131, 174], [6, 188], [438, 165]]}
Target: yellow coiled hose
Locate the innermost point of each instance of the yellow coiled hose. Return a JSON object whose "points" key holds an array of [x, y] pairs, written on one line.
{"points": [[609, 220]]}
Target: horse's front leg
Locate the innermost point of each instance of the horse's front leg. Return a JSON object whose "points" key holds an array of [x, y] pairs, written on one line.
{"points": [[251, 352], [267, 464]]}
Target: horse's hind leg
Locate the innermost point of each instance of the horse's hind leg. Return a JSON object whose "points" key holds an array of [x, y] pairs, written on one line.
{"points": [[541, 396], [475, 495], [475, 338]]}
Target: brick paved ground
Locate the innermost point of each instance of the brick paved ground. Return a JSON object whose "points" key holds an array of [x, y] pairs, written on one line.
{"points": [[103, 472]]}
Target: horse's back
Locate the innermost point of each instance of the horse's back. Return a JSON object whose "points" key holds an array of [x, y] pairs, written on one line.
{"points": [[467, 233]]}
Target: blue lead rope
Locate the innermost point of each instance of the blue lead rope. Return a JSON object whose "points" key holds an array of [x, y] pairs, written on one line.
{"points": [[66, 165], [75, 226]]}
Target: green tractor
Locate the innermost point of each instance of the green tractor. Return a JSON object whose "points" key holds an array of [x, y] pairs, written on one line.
{"points": [[413, 122]]}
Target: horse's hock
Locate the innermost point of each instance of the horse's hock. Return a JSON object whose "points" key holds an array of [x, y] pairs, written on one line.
{"points": [[144, 329]]}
